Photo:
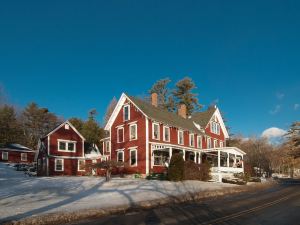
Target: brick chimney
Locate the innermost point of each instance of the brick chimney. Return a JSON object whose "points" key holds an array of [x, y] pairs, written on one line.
{"points": [[154, 99], [182, 110]]}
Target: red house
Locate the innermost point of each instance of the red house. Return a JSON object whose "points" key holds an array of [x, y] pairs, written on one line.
{"points": [[16, 153], [144, 136], [63, 151]]}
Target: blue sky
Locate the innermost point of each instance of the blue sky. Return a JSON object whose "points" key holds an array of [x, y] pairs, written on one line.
{"points": [[71, 56]]}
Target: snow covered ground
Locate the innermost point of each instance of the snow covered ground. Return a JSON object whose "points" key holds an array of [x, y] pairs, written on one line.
{"points": [[22, 196]]}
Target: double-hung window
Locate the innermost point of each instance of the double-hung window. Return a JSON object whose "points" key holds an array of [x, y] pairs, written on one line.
{"points": [[23, 156], [120, 156], [126, 112], [66, 146], [132, 132], [166, 134], [133, 157], [180, 137], [120, 134], [215, 143], [192, 140], [4, 155], [59, 164], [208, 142], [155, 131], [199, 142]]}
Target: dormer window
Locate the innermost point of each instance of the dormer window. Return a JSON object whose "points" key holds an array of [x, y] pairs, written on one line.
{"points": [[126, 112]]}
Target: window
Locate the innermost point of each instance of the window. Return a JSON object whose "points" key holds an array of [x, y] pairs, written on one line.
{"points": [[160, 157], [126, 112], [208, 142], [120, 156], [66, 146], [155, 131], [180, 137], [199, 141], [215, 128], [59, 165], [81, 165], [4, 155], [221, 144], [23, 156], [132, 131], [133, 157], [107, 147], [167, 134], [120, 134], [215, 143], [192, 140]]}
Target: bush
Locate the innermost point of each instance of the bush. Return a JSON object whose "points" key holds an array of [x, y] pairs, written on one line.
{"points": [[205, 169], [191, 171], [176, 168], [242, 176], [237, 181]]}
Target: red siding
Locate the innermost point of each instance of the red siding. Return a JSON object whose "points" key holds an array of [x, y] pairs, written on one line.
{"points": [[135, 115], [15, 156]]}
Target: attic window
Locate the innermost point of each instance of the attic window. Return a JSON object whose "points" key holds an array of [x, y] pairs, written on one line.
{"points": [[67, 126], [126, 112]]}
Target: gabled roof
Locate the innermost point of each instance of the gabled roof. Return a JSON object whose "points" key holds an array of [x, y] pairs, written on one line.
{"points": [[196, 123], [61, 125], [16, 147]]}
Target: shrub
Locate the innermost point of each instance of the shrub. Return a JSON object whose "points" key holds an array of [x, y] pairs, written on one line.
{"points": [[234, 181], [176, 168], [243, 176], [191, 171], [205, 169]]}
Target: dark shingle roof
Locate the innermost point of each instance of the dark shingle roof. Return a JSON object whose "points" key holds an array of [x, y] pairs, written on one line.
{"points": [[15, 147], [172, 119]]}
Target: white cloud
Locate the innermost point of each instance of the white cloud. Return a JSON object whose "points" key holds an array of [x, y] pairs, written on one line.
{"points": [[280, 95], [296, 106], [275, 110], [273, 132]]}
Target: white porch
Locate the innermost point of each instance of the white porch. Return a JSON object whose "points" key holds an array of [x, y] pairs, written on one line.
{"points": [[225, 161]]}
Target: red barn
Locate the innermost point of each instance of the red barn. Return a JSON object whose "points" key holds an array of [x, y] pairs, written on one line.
{"points": [[144, 136], [16, 153], [64, 152]]}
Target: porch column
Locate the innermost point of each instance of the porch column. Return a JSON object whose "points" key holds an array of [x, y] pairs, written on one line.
{"points": [[183, 154], [242, 162], [200, 158], [219, 160], [170, 152], [234, 164], [152, 158], [227, 159], [195, 157]]}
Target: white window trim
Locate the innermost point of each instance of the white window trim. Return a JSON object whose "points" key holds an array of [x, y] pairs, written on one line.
{"points": [[199, 146], [120, 128], [125, 106], [164, 134], [25, 158], [215, 143], [67, 145], [62, 167], [136, 133], [158, 135], [221, 144], [192, 137], [136, 157], [122, 154], [5, 153], [208, 140], [178, 134], [78, 167]]}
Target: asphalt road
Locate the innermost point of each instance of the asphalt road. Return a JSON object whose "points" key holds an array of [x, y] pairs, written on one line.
{"points": [[278, 205]]}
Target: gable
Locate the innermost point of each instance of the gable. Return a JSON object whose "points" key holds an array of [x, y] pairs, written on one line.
{"points": [[219, 118]]}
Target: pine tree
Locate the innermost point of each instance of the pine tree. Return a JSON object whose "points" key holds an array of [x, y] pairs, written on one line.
{"points": [[183, 95], [165, 100], [293, 142]]}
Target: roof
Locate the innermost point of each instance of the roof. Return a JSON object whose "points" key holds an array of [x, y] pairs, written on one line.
{"points": [[172, 119], [16, 147]]}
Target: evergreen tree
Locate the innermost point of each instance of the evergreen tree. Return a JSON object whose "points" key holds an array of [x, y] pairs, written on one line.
{"points": [[37, 122], [77, 123], [293, 142], [10, 129], [164, 99], [183, 94]]}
